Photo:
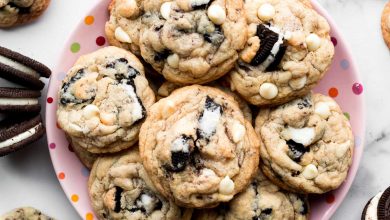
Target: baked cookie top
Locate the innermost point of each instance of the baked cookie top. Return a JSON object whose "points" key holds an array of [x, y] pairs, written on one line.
{"points": [[287, 52], [25, 213], [120, 188], [385, 24], [194, 41], [197, 147], [307, 144], [103, 100], [260, 200], [14, 12]]}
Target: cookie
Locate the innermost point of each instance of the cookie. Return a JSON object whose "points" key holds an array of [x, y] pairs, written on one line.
{"points": [[21, 69], [86, 158], [193, 41], [197, 147], [19, 100], [16, 12], [103, 100], [385, 24], [377, 208], [19, 131], [260, 200], [25, 213], [120, 188], [306, 144], [287, 53]]}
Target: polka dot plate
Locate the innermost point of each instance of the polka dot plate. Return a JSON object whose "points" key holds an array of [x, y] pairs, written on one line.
{"points": [[341, 82]]}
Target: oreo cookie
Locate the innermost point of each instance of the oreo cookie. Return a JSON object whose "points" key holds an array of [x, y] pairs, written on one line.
{"points": [[21, 69], [378, 207], [19, 131], [19, 100]]}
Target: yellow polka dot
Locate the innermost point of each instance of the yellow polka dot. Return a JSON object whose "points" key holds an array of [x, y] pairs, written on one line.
{"points": [[89, 20], [89, 216], [75, 198]]}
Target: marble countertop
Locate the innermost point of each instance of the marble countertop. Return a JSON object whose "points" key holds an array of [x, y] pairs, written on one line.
{"points": [[28, 178]]}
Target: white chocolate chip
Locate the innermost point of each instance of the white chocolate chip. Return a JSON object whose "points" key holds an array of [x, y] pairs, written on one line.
{"points": [[342, 149], [107, 118], [238, 132], [165, 10], [313, 42], [226, 186], [310, 172], [122, 36], [303, 136], [323, 110], [216, 14], [91, 111], [173, 60], [266, 12], [297, 84], [207, 173], [168, 109], [128, 8], [268, 90]]}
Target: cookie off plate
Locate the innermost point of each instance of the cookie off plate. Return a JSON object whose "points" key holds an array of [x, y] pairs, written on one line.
{"points": [[341, 82]]}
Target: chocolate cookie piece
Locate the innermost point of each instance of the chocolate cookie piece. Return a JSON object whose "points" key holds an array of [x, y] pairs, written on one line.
{"points": [[25, 213], [19, 100], [21, 69], [385, 24], [17, 132]]}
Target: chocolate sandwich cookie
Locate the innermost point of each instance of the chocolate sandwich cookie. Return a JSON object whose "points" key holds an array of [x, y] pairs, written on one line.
{"points": [[378, 207], [21, 69], [16, 132], [25, 213], [19, 100]]}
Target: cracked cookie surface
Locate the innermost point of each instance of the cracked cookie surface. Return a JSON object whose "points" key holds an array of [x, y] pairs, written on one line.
{"points": [[198, 148], [15, 12], [27, 213], [306, 144]]}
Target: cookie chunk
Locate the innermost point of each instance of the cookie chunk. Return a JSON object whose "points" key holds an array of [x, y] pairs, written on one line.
{"points": [[306, 144], [197, 147], [15, 12], [103, 100], [194, 41], [385, 24], [287, 53], [260, 200], [120, 188], [25, 213]]}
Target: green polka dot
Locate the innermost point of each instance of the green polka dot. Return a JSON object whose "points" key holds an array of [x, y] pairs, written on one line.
{"points": [[347, 115], [75, 47]]}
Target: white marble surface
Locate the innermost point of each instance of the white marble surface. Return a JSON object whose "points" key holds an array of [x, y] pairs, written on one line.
{"points": [[27, 177]]}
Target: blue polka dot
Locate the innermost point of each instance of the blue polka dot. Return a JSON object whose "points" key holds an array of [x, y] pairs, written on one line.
{"points": [[85, 171], [60, 76], [357, 141], [344, 64]]}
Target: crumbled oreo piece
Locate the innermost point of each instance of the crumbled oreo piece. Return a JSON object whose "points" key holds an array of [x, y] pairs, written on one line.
{"points": [[66, 97], [278, 58], [118, 196], [265, 214], [162, 55], [297, 150], [268, 39], [200, 4]]}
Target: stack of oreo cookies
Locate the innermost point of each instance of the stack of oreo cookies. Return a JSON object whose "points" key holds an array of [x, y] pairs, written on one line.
{"points": [[22, 124]]}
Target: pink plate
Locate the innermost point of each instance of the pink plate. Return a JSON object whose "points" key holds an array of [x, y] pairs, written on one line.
{"points": [[342, 82]]}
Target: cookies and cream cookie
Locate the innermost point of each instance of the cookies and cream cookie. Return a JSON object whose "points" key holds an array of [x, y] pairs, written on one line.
{"points": [[25, 213], [306, 144], [287, 52], [197, 147], [103, 100], [15, 12], [385, 24]]}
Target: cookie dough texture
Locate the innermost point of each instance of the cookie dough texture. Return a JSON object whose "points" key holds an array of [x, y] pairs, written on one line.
{"points": [[186, 47], [103, 100], [120, 188], [15, 12], [288, 54], [197, 147], [25, 213], [385, 24], [260, 200], [306, 144]]}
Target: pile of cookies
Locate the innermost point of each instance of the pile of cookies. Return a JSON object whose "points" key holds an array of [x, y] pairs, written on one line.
{"points": [[187, 145]]}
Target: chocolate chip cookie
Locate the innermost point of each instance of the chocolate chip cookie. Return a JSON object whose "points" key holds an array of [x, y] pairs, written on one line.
{"points": [[306, 144], [260, 200], [103, 100], [287, 53], [120, 188], [194, 41], [25, 213], [15, 12], [197, 147]]}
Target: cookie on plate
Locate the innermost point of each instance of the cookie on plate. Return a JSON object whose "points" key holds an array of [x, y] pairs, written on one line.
{"points": [[21, 69], [25, 213], [306, 144], [193, 41], [86, 158], [385, 24], [197, 147], [260, 200], [15, 12], [103, 100], [377, 208], [120, 188], [18, 131], [19, 100], [287, 53]]}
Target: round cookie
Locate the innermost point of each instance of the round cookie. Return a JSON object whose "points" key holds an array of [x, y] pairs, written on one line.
{"points": [[385, 24], [261, 200], [194, 41], [306, 144], [16, 12], [25, 213], [197, 147], [103, 100], [120, 188], [287, 53]]}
